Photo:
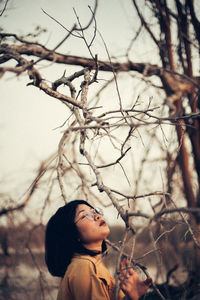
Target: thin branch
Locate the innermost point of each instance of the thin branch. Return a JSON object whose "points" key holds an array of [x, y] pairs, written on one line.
{"points": [[140, 196], [119, 259], [59, 23], [145, 23], [114, 163], [77, 29], [31, 190], [55, 48], [3, 10]]}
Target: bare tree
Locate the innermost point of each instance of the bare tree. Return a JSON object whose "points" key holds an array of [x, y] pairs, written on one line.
{"points": [[97, 158]]}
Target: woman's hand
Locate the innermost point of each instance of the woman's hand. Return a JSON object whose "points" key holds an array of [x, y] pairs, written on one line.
{"points": [[131, 284]]}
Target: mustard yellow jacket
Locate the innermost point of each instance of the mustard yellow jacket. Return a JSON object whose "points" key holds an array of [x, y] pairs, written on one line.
{"points": [[87, 278]]}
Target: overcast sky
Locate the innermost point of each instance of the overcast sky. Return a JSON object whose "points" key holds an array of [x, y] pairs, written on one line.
{"points": [[28, 116]]}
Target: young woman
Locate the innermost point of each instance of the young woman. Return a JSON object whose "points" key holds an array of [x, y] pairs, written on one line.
{"points": [[74, 243]]}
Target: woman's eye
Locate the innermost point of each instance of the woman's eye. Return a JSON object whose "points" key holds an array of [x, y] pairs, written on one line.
{"points": [[88, 214]]}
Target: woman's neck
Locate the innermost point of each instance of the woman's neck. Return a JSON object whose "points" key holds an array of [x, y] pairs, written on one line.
{"points": [[94, 247]]}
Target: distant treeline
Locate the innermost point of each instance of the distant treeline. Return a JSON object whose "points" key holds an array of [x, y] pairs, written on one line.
{"points": [[27, 234]]}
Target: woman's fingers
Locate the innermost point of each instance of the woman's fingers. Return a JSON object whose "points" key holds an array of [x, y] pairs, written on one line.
{"points": [[130, 282], [128, 276], [131, 271], [124, 269]]}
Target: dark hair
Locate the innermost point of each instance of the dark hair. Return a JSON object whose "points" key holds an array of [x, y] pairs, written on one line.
{"points": [[61, 239]]}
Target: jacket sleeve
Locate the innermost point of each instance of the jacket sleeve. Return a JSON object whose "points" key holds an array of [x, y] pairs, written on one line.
{"points": [[86, 285]]}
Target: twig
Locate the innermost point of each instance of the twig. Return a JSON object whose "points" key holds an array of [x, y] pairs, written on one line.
{"points": [[31, 190], [119, 259], [3, 10], [114, 163]]}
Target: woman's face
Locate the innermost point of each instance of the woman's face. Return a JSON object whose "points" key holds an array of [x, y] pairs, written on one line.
{"points": [[91, 232]]}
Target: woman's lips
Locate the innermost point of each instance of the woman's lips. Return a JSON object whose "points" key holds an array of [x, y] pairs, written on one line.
{"points": [[102, 223]]}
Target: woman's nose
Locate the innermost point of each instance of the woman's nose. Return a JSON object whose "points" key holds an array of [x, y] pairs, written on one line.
{"points": [[97, 216]]}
